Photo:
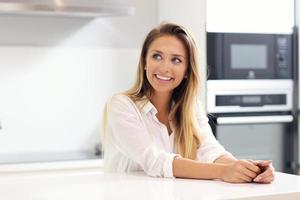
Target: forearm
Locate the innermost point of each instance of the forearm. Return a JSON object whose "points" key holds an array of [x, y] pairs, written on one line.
{"points": [[225, 159], [187, 168]]}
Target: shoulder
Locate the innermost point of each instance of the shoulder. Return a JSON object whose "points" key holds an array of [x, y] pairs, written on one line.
{"points": [[120, 98], [121, 102]]}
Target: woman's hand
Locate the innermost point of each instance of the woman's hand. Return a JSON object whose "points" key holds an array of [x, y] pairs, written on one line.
{"points": [[268, 173], [241, 171]]}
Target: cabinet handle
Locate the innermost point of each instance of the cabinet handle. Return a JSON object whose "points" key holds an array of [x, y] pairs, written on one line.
{"points": [[255, 119]]}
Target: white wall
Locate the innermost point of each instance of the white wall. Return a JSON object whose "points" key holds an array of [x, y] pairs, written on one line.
{"points": [[191, 14], [55, 75]]}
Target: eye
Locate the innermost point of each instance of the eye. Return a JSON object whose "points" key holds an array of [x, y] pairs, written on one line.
{"points": [[156, 56], [176, 60]]}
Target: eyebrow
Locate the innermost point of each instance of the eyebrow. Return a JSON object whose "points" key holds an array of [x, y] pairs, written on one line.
{"points": [[178, 55]]}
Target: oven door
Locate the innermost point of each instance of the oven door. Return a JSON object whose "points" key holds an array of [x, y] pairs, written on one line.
{"points": [[255, 137]]}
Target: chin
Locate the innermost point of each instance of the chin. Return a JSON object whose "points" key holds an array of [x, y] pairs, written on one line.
{"points": [[163, 90]]}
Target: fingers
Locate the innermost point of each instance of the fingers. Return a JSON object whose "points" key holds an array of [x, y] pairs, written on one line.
{"points": [[245, 178], [245, 171], [250, 174], [249, 169], [263, 165], [251, 166], [241, 174], [267, 179], [264, 162], [267, 176]]}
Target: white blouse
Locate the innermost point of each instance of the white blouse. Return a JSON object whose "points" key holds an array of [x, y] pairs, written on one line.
{"points": [[135, 139]]}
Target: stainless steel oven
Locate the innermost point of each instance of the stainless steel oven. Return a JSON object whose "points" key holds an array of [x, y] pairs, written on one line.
{"points": [[252, 118]]}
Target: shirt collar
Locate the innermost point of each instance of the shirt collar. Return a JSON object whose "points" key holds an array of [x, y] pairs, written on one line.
{"points": [[146, 106], [149, 107]]}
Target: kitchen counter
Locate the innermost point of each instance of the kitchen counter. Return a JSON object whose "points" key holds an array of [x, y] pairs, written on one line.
{"points": [[94, 184], [50, 166]]}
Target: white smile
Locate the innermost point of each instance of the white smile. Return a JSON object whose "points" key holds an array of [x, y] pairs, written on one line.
{"points": [[164, 78]]}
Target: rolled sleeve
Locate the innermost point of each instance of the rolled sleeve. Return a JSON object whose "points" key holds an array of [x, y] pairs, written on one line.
{"points": [[168, 167], [158, 162]]}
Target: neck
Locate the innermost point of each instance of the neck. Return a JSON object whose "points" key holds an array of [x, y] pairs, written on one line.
{"points": [[161, 101]]}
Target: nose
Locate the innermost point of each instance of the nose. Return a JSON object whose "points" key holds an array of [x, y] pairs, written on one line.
{"points": [[166, 66]]}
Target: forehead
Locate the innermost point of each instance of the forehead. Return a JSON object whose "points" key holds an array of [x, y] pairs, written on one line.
{"points": [[168, 44]]}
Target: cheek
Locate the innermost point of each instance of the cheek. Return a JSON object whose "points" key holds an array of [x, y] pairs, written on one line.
{"points": [[180, 75], [181, 72], [149, 72], [151, 67]]}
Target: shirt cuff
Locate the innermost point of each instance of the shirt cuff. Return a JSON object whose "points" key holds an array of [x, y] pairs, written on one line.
{"points": [[168, 166]]}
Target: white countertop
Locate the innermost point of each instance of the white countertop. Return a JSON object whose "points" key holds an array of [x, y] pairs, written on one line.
{"points": [[50, 166], [94, 184]]}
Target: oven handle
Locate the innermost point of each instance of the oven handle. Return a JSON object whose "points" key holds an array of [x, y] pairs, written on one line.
{"points": [[255, 119]]}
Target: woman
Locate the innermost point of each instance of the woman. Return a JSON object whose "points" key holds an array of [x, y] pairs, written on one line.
{"points": [[158, 125]]}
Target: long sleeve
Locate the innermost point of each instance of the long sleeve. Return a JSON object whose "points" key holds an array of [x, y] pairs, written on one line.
{"points": [[210, 149], [132, 139]]}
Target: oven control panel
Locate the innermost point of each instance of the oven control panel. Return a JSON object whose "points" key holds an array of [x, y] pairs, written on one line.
{"points": [[237, 96]]}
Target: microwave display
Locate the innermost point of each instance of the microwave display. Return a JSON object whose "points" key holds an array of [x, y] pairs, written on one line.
{"points": [[248, 56], [251, 100]]}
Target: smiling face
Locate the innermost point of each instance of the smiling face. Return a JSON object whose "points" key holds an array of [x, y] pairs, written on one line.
{"points": [[166, 63]]}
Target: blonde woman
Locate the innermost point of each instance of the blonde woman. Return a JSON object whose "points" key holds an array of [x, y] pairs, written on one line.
{"points": [[158, 125]]}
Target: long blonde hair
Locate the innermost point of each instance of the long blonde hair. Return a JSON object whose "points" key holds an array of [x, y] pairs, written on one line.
{"points": [[187, 137]]}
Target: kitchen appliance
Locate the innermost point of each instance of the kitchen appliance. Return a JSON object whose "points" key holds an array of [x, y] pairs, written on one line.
{"points": [[249, 56], [252, 119], [250, 95]]}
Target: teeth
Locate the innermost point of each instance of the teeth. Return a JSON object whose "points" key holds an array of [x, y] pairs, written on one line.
{"points": [[163, 77]]}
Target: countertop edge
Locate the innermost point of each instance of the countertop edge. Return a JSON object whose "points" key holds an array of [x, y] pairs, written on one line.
{"points": [[53, 165]]}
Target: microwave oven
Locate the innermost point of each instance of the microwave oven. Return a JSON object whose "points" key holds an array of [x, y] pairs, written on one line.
{"points": [[249, 56]]}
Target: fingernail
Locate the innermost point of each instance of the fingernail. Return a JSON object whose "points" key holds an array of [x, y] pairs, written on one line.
{"points": [[257, 178]]}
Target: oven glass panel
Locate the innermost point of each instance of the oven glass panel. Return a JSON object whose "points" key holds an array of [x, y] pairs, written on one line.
{"points": [[248, 56]]}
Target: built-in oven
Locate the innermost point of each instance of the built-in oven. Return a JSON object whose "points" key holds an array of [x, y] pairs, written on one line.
{"points": [[252, 119], [249, 56], [251, 95]]}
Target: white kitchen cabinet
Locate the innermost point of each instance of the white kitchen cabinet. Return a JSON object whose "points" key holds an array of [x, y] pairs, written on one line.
{"points": [[250, 16]]}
